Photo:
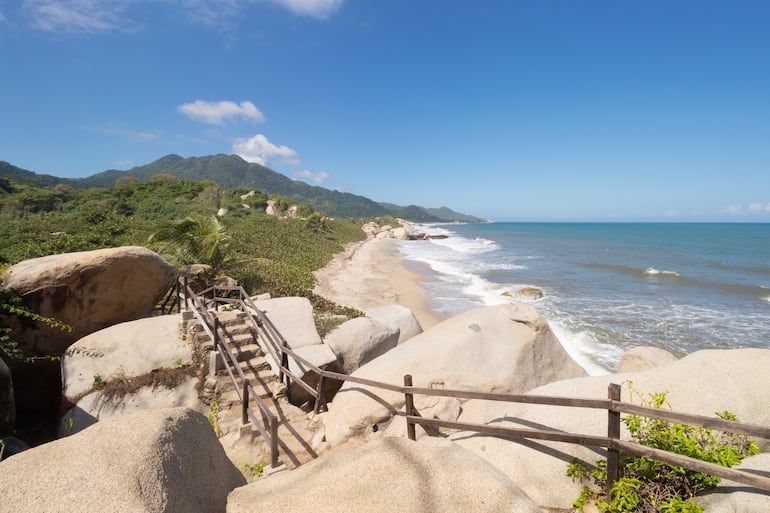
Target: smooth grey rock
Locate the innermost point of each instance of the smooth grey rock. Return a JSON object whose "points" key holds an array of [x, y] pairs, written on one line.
{"points": [[149, 461], [399, 316], [361, 340]]}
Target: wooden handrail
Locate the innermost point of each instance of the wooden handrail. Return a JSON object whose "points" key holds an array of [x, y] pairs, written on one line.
{"points": [[245, 391], [279, 350]]}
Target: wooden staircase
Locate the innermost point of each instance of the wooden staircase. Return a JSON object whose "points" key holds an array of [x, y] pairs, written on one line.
{"points": [[300, 433]]}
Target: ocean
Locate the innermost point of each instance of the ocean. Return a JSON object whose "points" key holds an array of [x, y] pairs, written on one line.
{"points": [[608, 287]]}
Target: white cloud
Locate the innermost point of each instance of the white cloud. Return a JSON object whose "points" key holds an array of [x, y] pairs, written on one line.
{"points": [[217, 113], [317, 178], [78, 16], [258, 149], [734, 210], [95, 16], [759, 208], [320, 9]]}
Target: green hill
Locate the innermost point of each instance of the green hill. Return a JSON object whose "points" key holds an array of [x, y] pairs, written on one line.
{"points": [[232, 172]]}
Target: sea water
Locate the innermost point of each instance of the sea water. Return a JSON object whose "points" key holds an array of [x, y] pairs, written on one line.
{"points": [[608, 287]]}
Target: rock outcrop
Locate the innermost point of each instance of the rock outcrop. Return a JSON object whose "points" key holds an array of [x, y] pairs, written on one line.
{"points": [[150, 461], [732, 497], [125, 350], [89, 291], [504, 348], [361, 340], [643, 358], [701, 383], [385, 476], [398, 316], [293, 318], [145, 362]]}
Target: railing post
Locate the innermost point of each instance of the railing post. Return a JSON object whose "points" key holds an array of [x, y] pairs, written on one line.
{"points": [[284, 364], [319, 397], [186, 299], [274, 442], [409, 407], [216, 335], [613, 432], [245, 405]]}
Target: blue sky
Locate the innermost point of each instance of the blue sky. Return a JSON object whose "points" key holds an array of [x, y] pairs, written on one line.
{"points": [[511, 110]]}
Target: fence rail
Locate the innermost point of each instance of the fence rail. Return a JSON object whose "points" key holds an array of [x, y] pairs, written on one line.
{"points": [[268, 427], [280, 352]]}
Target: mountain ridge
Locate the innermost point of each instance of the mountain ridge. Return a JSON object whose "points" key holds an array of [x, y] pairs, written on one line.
{"points": [[232, 172]]}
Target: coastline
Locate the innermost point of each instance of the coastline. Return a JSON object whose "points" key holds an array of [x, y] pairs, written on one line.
{"points": [[370, 274]]}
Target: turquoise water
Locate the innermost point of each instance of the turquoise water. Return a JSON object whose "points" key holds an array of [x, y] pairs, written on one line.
{"points": [[611, 286]]}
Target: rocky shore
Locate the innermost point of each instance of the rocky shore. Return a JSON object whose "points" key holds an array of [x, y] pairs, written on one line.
{"points": [[152, 448]]}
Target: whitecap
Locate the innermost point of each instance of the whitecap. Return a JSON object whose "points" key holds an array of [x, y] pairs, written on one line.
{"points": [[651, 271], [595, 357]]}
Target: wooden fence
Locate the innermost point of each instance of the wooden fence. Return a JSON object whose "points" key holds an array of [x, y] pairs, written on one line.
{"points": [[280, 351]]}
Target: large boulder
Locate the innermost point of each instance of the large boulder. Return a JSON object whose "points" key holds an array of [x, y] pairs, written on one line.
{"points": [[135, 365], [88, 290], [7, 401], [293, 318], [644, 357], [732, 497], [149, 461], [387, 475], [361, 340], [700, 383], [399, 316], [162, 388], [125, 350], [504, 348]]}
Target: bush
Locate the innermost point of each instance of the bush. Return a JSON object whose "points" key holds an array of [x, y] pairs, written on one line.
{"points": [[650, 486]]}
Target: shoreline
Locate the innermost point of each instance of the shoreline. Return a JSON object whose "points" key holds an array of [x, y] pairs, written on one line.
{"points": [[370, 274]]}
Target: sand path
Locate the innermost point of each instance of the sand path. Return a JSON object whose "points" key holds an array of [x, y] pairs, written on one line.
{"points": [[370, 274]]}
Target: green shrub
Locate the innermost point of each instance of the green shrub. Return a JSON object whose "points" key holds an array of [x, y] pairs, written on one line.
{"points": [[651, 486]]}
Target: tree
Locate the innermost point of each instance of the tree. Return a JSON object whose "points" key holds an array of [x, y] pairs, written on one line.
{"points": [[196, 239], [318, 224]]}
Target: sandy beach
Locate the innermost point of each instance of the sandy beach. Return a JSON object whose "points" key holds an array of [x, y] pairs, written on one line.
{"points": [[371, 273]]}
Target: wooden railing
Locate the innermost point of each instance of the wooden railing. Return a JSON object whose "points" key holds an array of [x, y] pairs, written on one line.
{"points": [[280, 351], [267, 425]]}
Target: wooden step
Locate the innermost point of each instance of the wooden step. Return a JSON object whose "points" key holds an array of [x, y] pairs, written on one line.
{"points": [[234, 342]]}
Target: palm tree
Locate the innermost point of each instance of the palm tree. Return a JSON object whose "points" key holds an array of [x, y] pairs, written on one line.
{"points": [[196, 239], [317, 224]]}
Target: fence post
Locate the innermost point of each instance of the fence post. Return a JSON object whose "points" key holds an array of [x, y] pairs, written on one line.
{"points": [[274, 442], [186, 299], [409, 406], [245, 405], [613, 432], [216, 335], [319, 398]]}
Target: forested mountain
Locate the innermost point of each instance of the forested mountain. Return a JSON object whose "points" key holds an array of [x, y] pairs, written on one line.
{"points": [[12, 172], [231, 171]]}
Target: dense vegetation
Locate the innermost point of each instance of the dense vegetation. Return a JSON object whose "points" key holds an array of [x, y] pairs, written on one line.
{"points": [[275, 254], [231, 171], [650, 486]]}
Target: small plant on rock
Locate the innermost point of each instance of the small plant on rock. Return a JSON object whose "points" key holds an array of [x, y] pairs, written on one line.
{"points": [[651, 486], [213, 419], [252, 471]]}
